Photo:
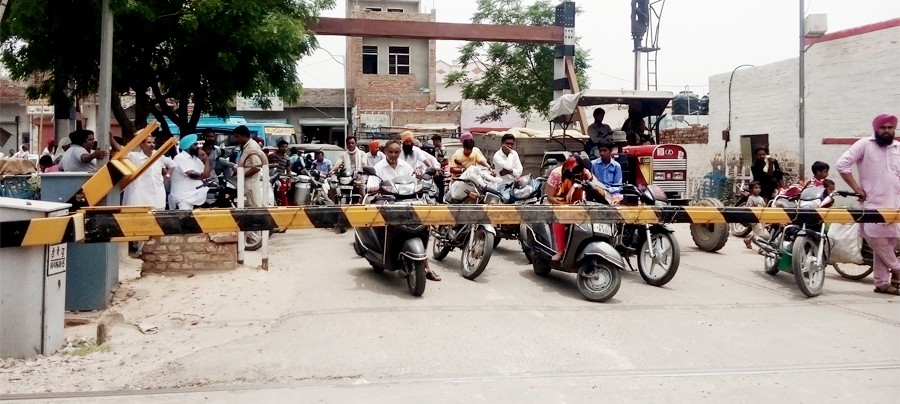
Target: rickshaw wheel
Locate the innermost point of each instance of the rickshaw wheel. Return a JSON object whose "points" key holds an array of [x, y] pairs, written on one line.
{"points": [[710, 237]]}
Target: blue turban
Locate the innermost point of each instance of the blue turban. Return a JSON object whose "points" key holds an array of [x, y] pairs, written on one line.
{"points": [[187, 141]]}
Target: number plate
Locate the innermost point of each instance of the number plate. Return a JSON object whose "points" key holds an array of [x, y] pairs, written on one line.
{"points": [[603, 228], [345, 187]]}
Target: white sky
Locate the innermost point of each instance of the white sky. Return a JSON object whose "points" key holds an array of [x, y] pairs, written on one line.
{"points": [[698, 38]]}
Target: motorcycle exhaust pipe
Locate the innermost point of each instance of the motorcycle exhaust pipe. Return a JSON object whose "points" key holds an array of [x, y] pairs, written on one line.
{"points": [[764, 245]]}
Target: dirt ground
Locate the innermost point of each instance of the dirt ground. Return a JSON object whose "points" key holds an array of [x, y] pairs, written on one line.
{"points": [[180, 314]]}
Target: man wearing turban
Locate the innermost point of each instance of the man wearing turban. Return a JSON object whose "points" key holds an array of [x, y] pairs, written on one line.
{"points": [[877, 160], [191, 168]]}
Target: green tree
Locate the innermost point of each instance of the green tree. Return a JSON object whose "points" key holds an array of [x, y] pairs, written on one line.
{"points": [[170, 53], [515, 76]]}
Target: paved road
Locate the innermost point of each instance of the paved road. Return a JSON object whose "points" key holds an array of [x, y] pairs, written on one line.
{"points": [[721, 331]]}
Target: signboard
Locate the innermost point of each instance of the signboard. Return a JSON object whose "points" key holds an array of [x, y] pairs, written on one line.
{"points": [[279, 131], [39, 110], [56, 258], [374, 120], [249, 104]]}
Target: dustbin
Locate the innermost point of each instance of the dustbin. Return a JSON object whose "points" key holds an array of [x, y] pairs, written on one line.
{"points": [[93, 269], [32, 286]]}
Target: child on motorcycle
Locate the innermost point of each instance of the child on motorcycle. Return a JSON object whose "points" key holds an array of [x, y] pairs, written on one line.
{"points": [[563, 189]]}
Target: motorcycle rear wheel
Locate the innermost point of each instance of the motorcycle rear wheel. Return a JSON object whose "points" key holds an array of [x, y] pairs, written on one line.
{"points": [[740, 230], [482, 241]]}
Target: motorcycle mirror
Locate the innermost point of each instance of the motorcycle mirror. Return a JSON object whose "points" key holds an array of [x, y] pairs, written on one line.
{"points": [[369, 170]]}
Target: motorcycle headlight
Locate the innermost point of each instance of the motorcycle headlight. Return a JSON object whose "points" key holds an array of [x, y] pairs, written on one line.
{"points": [[346, 180], [491, 198], [602, 228], [405, 189]]}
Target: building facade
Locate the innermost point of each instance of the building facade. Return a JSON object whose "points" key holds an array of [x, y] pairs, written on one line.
{"points": [[851, 76], [393, 77]]}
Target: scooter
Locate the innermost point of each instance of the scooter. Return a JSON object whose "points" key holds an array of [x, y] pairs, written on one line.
{"points": [[398, 248], [474, 185], [800, 248], [591, 253]]}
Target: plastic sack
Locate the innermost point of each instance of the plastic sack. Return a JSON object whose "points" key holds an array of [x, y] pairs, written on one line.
{"points": [[846, 243]]}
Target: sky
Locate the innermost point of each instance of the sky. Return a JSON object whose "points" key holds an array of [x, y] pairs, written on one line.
{"points": [[698, 38]]}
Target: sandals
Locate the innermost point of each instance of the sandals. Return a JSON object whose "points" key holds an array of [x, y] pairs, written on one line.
{"points": [[888, 290], [431, 276], [747, 243]]}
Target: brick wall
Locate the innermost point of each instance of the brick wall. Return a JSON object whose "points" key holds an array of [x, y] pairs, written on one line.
{"points": [[197, 252], [375, 92], [849, 80], [696, 134]]}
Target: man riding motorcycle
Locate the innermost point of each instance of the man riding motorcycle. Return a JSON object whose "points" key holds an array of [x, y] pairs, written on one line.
{"points": [[393, 166]]}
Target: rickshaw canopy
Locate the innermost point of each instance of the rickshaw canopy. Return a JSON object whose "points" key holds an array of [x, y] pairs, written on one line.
{"points": [[651, 103]]}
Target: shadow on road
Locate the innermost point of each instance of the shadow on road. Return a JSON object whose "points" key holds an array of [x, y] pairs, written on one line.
{"points": [[560, 283], [386, 283]]}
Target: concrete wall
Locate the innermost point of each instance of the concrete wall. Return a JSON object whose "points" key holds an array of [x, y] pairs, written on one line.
{"points": [[851, 76]]}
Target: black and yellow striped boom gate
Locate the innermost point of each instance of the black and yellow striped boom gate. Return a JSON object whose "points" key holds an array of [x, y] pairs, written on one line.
{"points": [[102, 224]]}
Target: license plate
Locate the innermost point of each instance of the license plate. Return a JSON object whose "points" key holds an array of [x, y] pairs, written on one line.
{"points": [[345, 187]]}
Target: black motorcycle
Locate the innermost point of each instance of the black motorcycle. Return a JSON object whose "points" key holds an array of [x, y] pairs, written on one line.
{"points": [[396, 247]]}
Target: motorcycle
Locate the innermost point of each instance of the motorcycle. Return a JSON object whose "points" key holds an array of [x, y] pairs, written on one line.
{"points": [[474, 185], [347, 191], [591, 254], [799, 248], [657, 250], [523, 191], [396, 247], [741, 194]]}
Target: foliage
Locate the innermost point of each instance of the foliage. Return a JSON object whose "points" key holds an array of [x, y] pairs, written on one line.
{"points": [[515, 76], [171, 53]]}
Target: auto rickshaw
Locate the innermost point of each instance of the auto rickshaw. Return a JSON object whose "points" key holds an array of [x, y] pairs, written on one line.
{"points": [[644, 161]]}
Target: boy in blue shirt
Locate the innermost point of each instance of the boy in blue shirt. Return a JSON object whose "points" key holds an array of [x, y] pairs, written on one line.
{"points": [[607, 170]]}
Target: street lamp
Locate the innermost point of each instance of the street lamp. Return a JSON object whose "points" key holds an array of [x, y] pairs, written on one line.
{"points": [[344, 58], [818, 27]]}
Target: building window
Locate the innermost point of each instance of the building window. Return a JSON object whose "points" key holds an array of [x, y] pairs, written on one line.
{"points": [[370, 59], [395, 10], [398, 60], [373, 8]]}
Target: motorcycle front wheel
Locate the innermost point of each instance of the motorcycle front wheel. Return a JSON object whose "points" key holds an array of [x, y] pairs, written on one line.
{"points": [[440, 248], [659, 270], [476, 253], [810, 279], [253, 240], [597, 280], [415, 279]]}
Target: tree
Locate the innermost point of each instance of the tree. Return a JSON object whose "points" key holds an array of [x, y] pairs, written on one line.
{"points": [[515, 76], [170, 53]]}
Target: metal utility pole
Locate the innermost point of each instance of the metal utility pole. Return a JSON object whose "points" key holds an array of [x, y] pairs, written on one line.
{"points": [[802, 111], [104, 102]]}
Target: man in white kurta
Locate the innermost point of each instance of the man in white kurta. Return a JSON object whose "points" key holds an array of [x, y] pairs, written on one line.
{"points": [[148, 189], [191, 167]]}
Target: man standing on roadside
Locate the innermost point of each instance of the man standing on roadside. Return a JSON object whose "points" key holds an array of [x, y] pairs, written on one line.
{"points": [[252, 158], [877, 160]]}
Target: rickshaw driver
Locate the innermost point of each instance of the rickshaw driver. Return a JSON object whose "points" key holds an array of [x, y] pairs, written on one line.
{"points": [[635, 127]]}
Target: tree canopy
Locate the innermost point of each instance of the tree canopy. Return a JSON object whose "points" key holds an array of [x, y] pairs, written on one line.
{"points": [[515, 76], [170, 53]]}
